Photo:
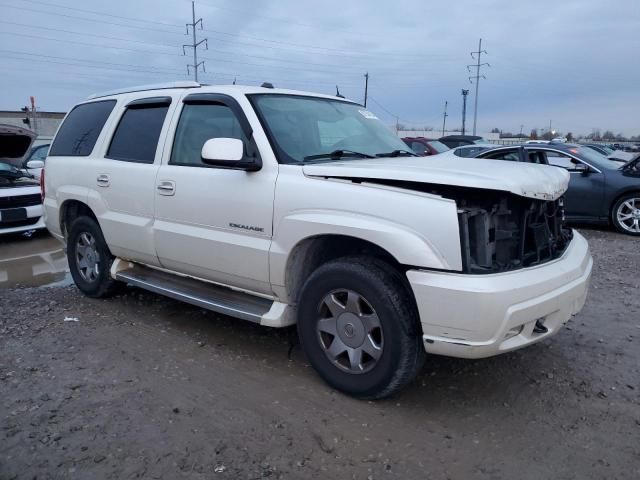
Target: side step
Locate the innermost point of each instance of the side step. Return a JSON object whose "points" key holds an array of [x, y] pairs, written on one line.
{"points": [[202, 294]]}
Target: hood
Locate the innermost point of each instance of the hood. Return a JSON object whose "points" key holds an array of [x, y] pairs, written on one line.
{"points": [[632, 164], [525, 179], [14, 143]]}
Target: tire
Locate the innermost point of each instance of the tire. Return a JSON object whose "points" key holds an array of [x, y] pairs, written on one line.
{"points": [[625, 214], [383, 295], [90, 266]]}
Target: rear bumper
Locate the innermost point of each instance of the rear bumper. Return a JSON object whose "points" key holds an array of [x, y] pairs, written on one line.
{"points": [[475, 316]]}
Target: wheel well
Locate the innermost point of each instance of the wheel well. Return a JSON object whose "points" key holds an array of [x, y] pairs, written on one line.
{"points": [[72, 209], [312, 252]]}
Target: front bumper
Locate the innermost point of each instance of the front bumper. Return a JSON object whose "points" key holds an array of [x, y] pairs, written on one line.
{"points": [[476, 316], [34, 221]]}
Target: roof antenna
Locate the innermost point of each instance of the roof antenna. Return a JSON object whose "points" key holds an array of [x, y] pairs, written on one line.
{"points": [[234, 80], [338, 93]]}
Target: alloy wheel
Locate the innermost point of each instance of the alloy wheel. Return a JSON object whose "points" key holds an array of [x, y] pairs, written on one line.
{"points": [[349, 331], [628, 215], [87, 257]]}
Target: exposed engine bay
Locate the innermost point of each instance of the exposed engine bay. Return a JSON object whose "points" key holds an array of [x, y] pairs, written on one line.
{"points": [[501, 231], [510, 232]]}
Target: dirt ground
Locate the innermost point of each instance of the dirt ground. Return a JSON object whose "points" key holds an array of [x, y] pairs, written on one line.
{"points": [[145, 387]]}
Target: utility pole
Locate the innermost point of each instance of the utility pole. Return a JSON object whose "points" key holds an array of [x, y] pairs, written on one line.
{"points": [[444, 119], [464, 108], [366, 87], [34, 119], [521, 127], [477, 77], [195, 43]]}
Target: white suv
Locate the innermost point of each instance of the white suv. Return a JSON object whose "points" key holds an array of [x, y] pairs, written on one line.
{"points": [[283, 207]]}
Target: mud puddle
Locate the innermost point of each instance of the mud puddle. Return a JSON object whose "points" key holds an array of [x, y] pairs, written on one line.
{"points": [[34, 261]]}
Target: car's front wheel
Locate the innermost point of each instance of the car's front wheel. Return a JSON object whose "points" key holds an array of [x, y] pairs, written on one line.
{"points": [[358, 325], [625, 214], [90, 259]]}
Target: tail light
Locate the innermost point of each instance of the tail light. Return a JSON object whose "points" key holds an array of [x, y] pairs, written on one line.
{"points": [[42, 184]]}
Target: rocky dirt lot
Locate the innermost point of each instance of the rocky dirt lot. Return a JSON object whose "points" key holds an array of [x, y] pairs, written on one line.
{"points": [[145, 387]]}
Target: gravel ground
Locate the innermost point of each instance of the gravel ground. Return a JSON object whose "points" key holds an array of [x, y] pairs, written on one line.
{"points": [[145, 387]]}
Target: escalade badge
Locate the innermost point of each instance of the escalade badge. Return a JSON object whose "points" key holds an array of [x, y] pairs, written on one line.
{"points": [[246, 227]]}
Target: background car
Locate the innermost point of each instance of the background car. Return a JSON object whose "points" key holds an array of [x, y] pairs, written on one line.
{"points": [[467, 151], [425, 146], [600, 190], [34, 161], [453, 141], [602, 149], [20, 197]]}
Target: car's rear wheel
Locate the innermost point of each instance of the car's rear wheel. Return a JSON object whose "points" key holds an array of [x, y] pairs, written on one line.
{"points": [[90, 259], [359, 327], [625, 214]]}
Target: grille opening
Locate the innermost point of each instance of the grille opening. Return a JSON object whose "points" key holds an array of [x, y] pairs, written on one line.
{"points": [[510, 232]]}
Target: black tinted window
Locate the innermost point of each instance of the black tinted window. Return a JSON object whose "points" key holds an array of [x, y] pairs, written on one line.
{"points": [[136, 138], [198, 123], [80, 130]]}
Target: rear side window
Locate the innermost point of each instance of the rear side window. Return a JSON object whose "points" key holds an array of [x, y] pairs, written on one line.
{"points": [[79, 132], [137, 134]]}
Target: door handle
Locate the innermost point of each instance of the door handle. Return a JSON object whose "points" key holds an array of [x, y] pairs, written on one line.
{"points": [[167, 187], [103, 180]]}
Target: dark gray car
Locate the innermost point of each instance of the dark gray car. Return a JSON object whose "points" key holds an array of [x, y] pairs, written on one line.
{"points": [[600, 190]]}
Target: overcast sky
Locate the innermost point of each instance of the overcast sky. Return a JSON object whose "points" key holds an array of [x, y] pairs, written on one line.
{"points": [[574, 62]]}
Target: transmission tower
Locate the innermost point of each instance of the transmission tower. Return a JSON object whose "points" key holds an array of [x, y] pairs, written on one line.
{"points": [[477, 56], [195, 44]]}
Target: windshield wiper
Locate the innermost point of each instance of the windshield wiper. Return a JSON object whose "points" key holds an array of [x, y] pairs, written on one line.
{"points": [[337, 155], [397, 153]]}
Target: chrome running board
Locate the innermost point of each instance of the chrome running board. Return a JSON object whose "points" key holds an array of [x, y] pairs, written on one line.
{"points": [[202, 294]]}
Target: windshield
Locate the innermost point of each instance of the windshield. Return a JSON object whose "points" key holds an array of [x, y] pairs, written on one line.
{"points": [[596, 158], [438, 146], [301, 126], [481, 140]]}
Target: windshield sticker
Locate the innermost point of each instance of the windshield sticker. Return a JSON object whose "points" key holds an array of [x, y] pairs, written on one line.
{"points": [[368, 114]]}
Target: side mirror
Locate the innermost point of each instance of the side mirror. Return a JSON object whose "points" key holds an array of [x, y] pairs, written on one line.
{"points": [[35, 164], [583, 169], [228, 153]]}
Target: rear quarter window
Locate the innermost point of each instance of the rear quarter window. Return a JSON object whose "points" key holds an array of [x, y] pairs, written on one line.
{"points": [[80, 130]]}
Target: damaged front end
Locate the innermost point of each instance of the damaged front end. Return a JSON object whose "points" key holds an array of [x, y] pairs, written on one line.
{"points": [[501, 231]]}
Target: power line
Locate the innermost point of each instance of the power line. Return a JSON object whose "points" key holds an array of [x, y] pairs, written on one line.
{"points": [[212, 59], [195, 43], [83, 62], [340, 51], [477, 77], [100, 21], [224, 52], [103, 14]]}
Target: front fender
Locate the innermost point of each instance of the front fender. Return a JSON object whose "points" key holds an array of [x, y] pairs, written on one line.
{"points": [[406, 245]]}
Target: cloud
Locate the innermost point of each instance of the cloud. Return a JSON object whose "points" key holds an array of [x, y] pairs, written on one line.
{"points": [[572, 62]]}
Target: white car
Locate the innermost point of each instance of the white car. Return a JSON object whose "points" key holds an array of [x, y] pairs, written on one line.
{"points": [[20, 195], [283, 207]]}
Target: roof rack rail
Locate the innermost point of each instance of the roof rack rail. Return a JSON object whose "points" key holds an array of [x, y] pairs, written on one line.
{"points": [[154, 86]]}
